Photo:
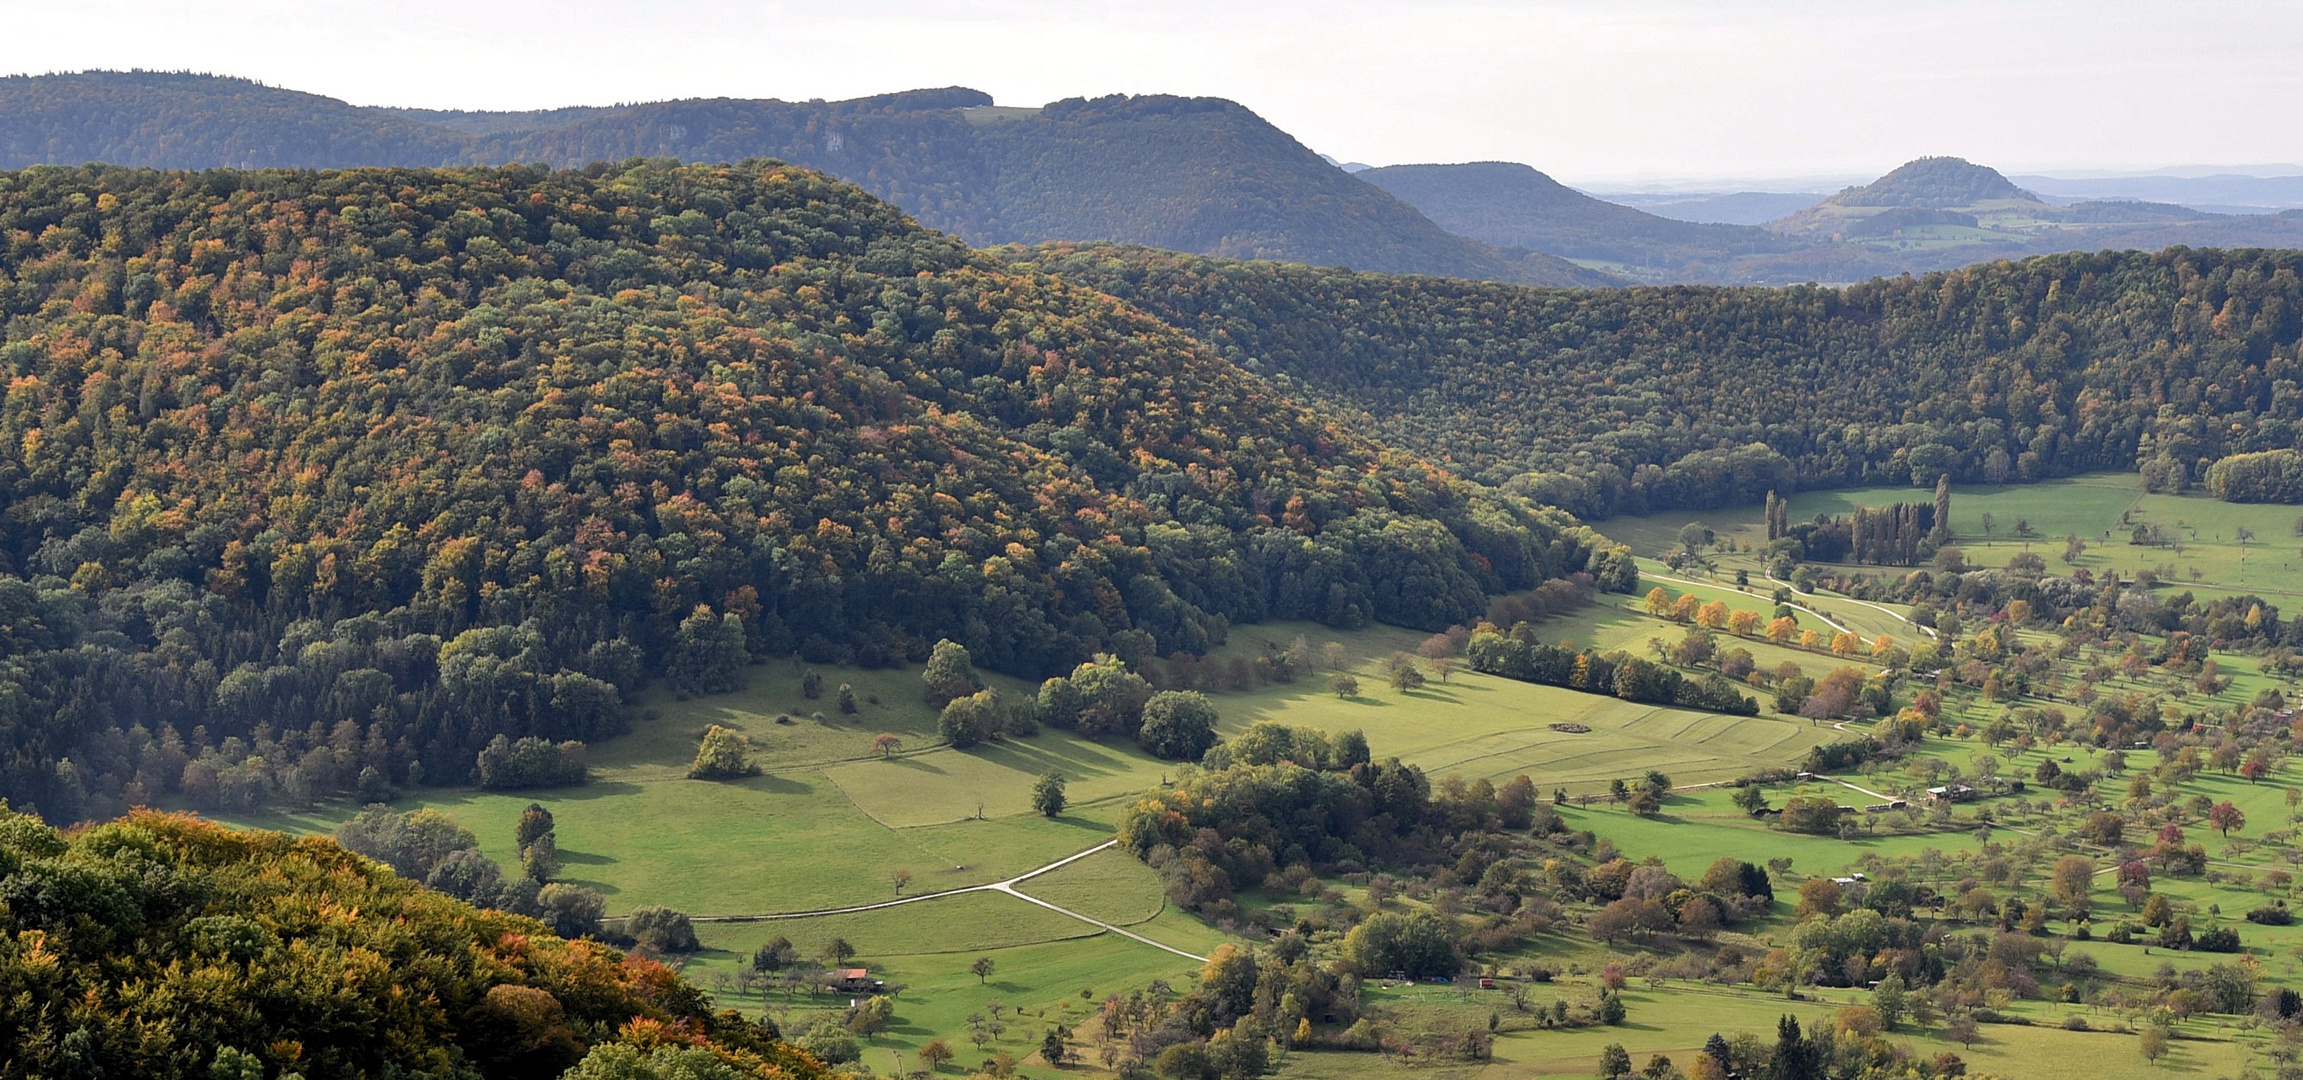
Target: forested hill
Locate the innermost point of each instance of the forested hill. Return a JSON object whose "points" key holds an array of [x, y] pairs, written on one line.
{"points": [[165, 948], [1629, 400], [307, 473], [1195, 174]]}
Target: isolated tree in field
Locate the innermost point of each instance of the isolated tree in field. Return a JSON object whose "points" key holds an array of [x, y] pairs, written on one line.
{"points": [[950, 674], [902, 879], [1333, 655], [708, 652], [2226, 817], [1178, 724], [847, 699], [1405, 675], [1342, 685], [724, 755], [2153, 1044], [936, 1054], [1962, 1028], [1657, 603], [535, 822], [840, 951], [1052, 1048], [812, 684], [1048, 794], [886, 745], [982, 969]]}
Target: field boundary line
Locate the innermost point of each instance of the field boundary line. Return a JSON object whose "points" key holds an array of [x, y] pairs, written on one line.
{"points": [[993, 886]]}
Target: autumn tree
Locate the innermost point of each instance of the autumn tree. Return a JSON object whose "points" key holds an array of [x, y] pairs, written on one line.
{"points": [[2225, 816], [724, 755]]}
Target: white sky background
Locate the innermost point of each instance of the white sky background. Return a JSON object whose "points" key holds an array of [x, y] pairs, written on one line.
{"points": [[1587, 91]]}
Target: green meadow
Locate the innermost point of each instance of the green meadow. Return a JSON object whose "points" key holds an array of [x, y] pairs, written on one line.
{"points": [[830, 823]]}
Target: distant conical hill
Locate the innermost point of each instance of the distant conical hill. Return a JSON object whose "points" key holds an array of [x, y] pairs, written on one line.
{"points": [[1936, 183]]}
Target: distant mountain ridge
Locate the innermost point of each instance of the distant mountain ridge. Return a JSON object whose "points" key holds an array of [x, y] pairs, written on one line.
{"points": [[1197, 174], [1515, 205]]}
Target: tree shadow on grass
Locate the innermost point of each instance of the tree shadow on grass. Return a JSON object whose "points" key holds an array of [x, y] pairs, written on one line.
{"points": [[1077, 760], [586, 858], [597, 789], [779, 785], [1429, 692]]}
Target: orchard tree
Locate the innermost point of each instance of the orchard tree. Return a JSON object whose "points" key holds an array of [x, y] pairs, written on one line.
{"points": [[2226, 817]]}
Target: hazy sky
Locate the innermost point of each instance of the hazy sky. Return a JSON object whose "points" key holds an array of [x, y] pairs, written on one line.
{"points": [[1588, 91]]}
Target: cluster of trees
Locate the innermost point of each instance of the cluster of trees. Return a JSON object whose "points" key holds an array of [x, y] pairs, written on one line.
{"points": [[1519, 655], [1101, 697], [428, 846], [160, 922], [1898, 535], [1640, 901], [1279, 806], [454, 454], [1632, 401], [1251, 1003], [530, 762], [2272, 476]]}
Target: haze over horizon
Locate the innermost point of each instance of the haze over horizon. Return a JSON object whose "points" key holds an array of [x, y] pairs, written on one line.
{"points": [[1664, 91]]}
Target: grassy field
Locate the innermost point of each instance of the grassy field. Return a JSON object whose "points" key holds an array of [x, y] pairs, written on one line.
{"points": [[1675, 1019], [828, 824]]}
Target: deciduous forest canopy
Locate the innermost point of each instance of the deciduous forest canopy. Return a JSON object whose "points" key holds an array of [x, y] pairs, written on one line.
{"points": [[341, 471], [163, 947], [1633, 400]]}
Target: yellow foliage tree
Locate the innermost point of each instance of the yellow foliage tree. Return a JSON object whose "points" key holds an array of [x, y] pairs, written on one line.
{"points": [[1742, 623], [1783, 629], [1658, 604], [1712, 616], [1809, 639], [1684, 608]]}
